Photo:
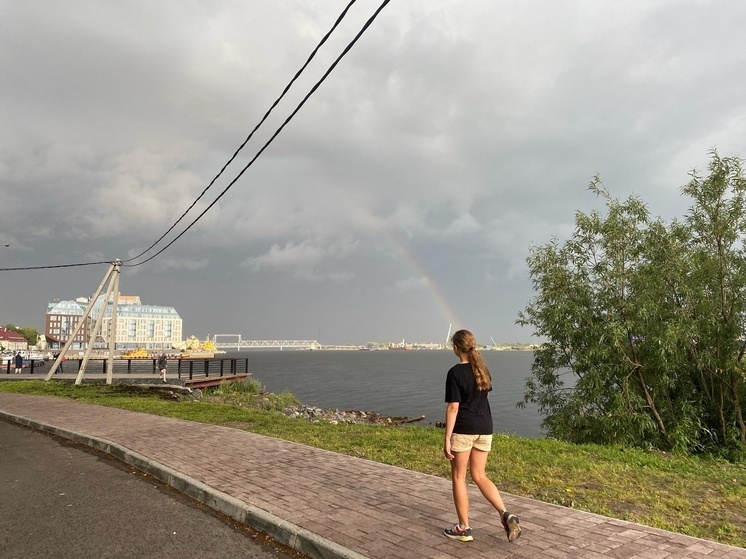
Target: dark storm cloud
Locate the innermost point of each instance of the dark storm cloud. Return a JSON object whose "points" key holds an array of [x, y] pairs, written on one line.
{"points": [[405, 194]]}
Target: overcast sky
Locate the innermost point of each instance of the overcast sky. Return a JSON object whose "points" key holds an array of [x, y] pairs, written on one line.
{"points": [[405, 194]]}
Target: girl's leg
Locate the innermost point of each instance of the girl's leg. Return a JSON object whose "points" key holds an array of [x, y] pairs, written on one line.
{"points": [[477, 464], [458, 483]]}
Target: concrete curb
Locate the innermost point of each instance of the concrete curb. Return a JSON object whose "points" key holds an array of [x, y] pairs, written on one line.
{"points": [[284, 532]]}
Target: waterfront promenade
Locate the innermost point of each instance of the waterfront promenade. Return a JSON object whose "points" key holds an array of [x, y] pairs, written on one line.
{"points": [[330, 505]]}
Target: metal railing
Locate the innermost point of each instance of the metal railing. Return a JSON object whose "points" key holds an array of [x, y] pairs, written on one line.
{"points": [[188, 368]]}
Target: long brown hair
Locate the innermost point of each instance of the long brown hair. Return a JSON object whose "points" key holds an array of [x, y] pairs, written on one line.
{"points": [[465, 342]]}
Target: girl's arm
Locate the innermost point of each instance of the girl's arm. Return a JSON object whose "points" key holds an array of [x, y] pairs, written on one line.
{"points": [[451, 413]]}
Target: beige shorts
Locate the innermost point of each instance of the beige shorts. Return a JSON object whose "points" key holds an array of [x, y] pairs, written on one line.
{"points": [[464, 443]]}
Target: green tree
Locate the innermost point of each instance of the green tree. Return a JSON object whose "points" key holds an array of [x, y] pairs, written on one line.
{"points": [[717, 222], [644, 321]]}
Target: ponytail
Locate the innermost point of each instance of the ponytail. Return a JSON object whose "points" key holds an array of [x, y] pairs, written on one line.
{"points": [[465, 342]]}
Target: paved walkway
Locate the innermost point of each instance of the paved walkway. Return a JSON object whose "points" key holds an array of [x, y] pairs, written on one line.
{"points": [[332, 506]]}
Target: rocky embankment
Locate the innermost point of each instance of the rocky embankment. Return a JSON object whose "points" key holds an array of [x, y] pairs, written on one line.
{"points": [[311, 413], [299, 411]]}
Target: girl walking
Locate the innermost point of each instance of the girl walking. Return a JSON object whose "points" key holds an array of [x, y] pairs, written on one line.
{"points": [[468, 436]]}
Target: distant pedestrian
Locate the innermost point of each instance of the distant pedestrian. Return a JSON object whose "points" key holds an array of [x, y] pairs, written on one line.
{"points": [[18, 362], [59, 367], [468, 436], [162, 363]]}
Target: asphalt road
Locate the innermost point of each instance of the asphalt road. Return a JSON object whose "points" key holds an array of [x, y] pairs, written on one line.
{"points": [[59, 499]]}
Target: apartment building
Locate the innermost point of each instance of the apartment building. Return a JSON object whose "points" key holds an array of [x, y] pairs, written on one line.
{"points": [[152, 327], [62, 319]]}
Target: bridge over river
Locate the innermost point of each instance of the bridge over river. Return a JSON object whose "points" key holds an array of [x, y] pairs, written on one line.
{"points": [[236, 342]]}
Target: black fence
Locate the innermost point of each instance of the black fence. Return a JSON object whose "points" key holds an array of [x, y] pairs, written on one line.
{"points": [[184, 368]]}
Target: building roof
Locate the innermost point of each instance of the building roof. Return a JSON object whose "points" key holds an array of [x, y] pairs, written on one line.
{"points": [[129, 310], [145, 311], [10, 336], [69, 308], [129, 306]]}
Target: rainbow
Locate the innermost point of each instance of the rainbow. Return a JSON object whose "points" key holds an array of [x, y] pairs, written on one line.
{"points": [[421, 272]]}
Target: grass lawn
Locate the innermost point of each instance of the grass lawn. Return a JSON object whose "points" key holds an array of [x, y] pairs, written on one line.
{"points": [[697, 496]]}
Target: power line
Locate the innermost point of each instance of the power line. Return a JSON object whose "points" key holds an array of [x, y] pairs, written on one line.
{"points": [[264, 118], [79, 264], [277, 132]]}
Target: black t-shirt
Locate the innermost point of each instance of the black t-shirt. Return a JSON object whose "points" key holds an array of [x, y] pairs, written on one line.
{"points": [[474, 414]]}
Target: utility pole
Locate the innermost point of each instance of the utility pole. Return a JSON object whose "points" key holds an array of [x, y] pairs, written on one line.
{"points": [[112, 276]]}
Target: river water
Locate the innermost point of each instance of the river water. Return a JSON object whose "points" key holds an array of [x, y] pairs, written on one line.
{"points": [[394, 383]]}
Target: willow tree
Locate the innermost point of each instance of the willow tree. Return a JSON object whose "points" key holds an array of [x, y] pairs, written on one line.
{"points": [[644, 321]]}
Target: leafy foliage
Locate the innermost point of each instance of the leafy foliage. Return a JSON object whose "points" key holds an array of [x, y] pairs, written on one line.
{"points": [[252, 393], [645, 322]]}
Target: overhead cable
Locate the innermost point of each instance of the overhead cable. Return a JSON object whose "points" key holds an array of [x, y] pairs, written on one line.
{"points": [[277, 132], [79, 264], [264, 118]]}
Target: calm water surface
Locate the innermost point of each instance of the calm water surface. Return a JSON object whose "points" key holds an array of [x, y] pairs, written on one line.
{"points": [[394, 383]]}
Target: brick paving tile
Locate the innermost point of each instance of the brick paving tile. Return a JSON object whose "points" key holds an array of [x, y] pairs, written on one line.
{"points": [[332, 506]]}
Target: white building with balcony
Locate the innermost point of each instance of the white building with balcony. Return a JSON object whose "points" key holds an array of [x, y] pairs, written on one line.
{"points": [[152, 327]]}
